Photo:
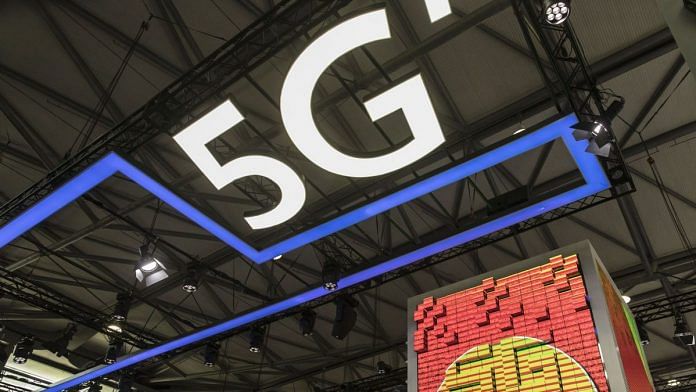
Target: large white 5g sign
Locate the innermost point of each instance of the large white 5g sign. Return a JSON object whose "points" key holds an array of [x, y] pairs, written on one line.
{"points": [[410, 96]]}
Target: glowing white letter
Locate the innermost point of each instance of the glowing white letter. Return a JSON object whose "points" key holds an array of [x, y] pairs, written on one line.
{"points": [[193, 140], [410, 96]]}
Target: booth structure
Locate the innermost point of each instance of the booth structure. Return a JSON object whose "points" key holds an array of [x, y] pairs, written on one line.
{"points": [[554, 322]]}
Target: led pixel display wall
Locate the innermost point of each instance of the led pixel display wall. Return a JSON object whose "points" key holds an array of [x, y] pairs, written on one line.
{"points": [[534, 329]]}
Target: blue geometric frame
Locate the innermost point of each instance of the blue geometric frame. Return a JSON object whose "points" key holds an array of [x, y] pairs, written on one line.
{"points": [[590, 168]]}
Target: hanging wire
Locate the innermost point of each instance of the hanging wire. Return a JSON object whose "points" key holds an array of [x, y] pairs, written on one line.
{"points": [[88, 128]]}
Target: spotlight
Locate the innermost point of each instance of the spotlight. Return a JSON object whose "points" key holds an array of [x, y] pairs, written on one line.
{"points": [[330, 274], [60, 345], [383, 368], [191, 281], [94, 387], [125, 383], [673, 383], [148, 269], [642, 333], [211, 353], [278, 257], [114, 326], [307, 321], [690, 5], [556, 12], [113, 352], [23, 350], [4, 355], [626, 298], [346, 316], [121, 308], [256, 335], [682, 333], [597, 132]]}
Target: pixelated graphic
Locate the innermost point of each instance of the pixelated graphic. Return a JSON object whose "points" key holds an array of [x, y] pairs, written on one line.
{"points": [[531, 331], [516, 364]]}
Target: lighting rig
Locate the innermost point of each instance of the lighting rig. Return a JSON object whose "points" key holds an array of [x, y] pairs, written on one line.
{"points": [[664, 307], [23, 350]]}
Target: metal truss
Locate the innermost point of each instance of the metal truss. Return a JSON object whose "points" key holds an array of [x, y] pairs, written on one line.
{"points": [[172, 109], [43, 297], [678, 384], [394, 380], [664, 308]]}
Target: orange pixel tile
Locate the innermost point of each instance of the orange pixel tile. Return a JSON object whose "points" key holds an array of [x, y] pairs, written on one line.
{"points": [[531, 331]]}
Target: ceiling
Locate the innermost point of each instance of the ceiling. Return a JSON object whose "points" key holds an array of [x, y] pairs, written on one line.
{"points": [[58, 58]]}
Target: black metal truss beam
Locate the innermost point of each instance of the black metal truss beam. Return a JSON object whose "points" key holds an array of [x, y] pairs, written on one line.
{"points": [[378, 382], [173, 108], [664, 307], [677, 384]]}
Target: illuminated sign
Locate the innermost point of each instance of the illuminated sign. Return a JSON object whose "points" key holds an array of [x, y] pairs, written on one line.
{"points": [[409, 96], [533, 330]]}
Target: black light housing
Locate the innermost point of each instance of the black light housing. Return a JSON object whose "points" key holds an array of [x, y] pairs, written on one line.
{"points": [[23, 350], [256, 336], [682, 333], [597, 132], [122, 307], [114, 351], [149, 270], [383, 368], [690, 5], [307, 321], [60, 345], [346, 317], [190, 284], [125, 383], [330, 274], [211, 354], [556, 12], [642, 333]]}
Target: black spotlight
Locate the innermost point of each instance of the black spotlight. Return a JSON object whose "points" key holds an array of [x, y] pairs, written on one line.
{"points": [[383, 368], [190, 284], [597, 132], [114, 351], [60, 345], [122, 307], [211, 353], [690, 5], [307, 321], [642, 333], [682, 333], [23, 350], [346, 316], [256, 335], [125, 383], [4, 355], [556, 12], [149, 270], [330, 274]]}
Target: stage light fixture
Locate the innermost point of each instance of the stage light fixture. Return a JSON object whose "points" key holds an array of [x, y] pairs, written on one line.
{"points": [[149, 269], [60, 345], [211, 354], [125, 383], [626, 298], [122, 307], [23, 350], [673, 383], [330, 274], [256, 336], [642, 332], [114, 351], [682, 333], [346, 317], [115, 326], [94, 387], [556, 12], [307, 321], [690, 5], [383, 368], [596, 132], [191, 280]]}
